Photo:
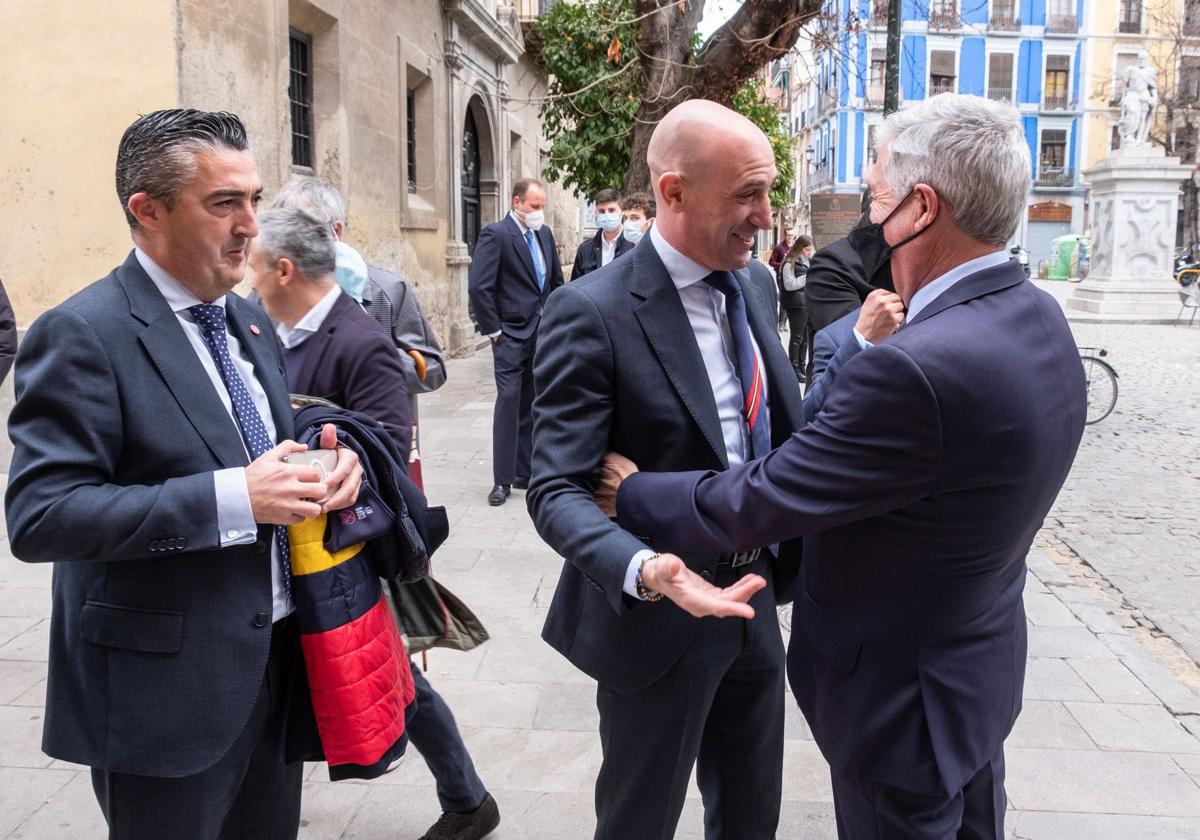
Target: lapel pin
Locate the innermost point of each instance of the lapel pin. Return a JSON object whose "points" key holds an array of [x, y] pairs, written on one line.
{"points": [[254, 329]]}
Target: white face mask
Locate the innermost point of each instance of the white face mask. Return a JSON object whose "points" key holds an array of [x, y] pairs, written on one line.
{"points": [[534, 219], [608, 222], [633, 231]]}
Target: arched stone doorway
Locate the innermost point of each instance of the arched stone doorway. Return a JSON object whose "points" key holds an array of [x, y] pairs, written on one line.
{"points": [[479, 186]]}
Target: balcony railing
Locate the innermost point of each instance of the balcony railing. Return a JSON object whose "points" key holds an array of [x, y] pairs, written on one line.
{"points": [[1063, 24], [822, 177], [1000, 94], [1004, 23], [1055, 176], [879, 14], [944, 21], [1131, 27], [875, 96], [828, 101], [940, 87], [1191, 29], [1057, 103]]}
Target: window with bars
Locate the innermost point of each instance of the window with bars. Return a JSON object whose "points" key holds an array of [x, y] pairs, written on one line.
{"points": [[1189, 78], [1054, 150], [1191, 17], [1004, 8], [300, 97], [1058, 72], [1060, 8], [1131, 16], [410, 115], [941, 72], [1000, 76], [878, 76], [943, 7]]}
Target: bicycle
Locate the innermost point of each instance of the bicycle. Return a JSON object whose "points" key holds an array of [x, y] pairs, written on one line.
{"points": [[1101, 381]]}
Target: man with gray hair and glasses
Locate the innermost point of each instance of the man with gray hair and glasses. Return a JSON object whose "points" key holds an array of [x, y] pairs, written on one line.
{"points": [[918, 490]]}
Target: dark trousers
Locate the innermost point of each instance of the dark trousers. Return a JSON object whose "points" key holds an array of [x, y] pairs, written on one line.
{"points": [[797, 328], [512, 421], [720, 707], [869, 811], [434, 733], [249, 794]]}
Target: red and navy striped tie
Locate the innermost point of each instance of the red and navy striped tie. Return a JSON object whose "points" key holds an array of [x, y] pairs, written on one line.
{"points": [[754, 404]]}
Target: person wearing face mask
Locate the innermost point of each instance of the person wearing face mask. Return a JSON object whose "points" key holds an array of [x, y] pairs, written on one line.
{"points": [[514, 269], [637, 215], [609, 241], [842, 274]]}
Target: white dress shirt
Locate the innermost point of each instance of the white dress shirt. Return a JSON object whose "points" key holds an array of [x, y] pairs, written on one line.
{"points": [[235, 516], [608, 248], [705, 308], [308, 326], [927, 293]]}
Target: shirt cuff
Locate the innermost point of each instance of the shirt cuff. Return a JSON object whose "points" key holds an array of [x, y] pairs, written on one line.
{"points": [[630, 587], [862, 342], [235, 516], [495, 334]]}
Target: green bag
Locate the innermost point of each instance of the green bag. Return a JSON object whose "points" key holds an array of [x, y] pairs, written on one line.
{"points": [[430, 615]]}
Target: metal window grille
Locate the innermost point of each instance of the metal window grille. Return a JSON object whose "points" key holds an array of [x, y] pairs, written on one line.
{"points": [[411, 120], [300, 97], [1131, 16]]}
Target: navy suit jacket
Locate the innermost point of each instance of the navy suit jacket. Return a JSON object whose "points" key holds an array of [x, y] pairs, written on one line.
{"points": [[351, 361], [502, 282], [158, 637], [908, 648], [827, 342], [618, 367]]}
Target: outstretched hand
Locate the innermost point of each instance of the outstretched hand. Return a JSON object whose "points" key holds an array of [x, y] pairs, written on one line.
{"points": [[614, 469], [667, 574]]}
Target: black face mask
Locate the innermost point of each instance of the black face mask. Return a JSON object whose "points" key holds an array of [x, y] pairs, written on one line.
{"points": [[872, 246]]}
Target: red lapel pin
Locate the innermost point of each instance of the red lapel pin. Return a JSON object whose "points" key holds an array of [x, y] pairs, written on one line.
{"points": [[254, 329]]}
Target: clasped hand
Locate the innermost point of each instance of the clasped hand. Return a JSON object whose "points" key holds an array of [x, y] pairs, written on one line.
{"points": [[284, 494], [667, 573]]}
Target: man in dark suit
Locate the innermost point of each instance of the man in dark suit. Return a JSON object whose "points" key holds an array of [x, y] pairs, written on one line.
{"points": [[918, 490], [665, 352], [336, 351], [8, 334], [609, 241], [151, 433], [513, 270]]}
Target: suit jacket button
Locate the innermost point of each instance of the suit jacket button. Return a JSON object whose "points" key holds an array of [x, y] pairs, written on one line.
{"points": [[706, 574], [261, 619], [180, 542], [260, 546], [154, 545]]}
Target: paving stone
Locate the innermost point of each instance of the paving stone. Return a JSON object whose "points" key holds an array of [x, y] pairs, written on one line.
{"points": [[1054, 679], [1066, 642], [17, 677], [568, 707], [1045, 723], [24, 791], [33, 645], [1099, 782], [1049, 826], [70, 814], [1045, 610], [328, 809], [1134, 727], [21, 737], [485, 703], [1112, 681]]}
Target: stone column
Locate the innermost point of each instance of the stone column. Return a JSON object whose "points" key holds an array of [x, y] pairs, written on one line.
{"points": [[1135, 203]]}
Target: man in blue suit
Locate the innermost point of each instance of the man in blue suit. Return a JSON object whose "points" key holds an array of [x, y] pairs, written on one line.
{"points": [[151, 432], [514, 269], [918, 490], [670, 352]]}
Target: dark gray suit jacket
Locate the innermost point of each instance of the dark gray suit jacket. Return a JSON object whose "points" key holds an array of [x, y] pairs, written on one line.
{"points": [[618, 367], [158, 638]]}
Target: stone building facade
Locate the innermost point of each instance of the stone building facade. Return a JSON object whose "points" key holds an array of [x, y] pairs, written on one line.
{"points": [[422, 112]]}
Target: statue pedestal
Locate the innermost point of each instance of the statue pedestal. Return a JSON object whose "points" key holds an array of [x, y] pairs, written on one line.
{"points": [[1135, 204]]}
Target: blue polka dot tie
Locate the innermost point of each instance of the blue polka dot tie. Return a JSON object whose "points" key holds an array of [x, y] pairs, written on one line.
{"points": [[211, 319]]}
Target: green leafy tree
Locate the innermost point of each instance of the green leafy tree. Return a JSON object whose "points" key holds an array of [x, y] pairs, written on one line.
{"points": [[615, 67]]}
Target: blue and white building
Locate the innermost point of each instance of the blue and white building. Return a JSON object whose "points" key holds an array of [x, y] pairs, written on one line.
{"points": [[1028, 52]]}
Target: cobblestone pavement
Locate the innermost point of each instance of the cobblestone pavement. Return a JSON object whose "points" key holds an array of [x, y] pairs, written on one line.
{"points": [[1108, 745]]}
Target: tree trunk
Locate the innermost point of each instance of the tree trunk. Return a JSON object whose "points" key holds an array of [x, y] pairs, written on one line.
{"points": [[759, 32]]}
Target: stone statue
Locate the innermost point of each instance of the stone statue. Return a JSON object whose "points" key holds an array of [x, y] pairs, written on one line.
{"points": [[1137, 104]]}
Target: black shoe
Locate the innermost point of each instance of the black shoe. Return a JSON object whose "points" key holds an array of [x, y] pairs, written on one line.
{"points": [[521, 483], [470, 826], [498, 495]]}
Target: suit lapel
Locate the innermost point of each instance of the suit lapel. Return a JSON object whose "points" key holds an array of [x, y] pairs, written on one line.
{"points": [[177, 363], [779, 372], [670, 334], [258, 347]]}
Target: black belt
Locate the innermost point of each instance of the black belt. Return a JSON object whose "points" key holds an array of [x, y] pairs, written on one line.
{"points": [[740, 558]]}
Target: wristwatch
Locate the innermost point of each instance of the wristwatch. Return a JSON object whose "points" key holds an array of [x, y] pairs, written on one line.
{"points": [[643, 591]]}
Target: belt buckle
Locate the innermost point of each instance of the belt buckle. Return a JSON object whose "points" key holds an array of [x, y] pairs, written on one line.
{"points": [[743, 558]]}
